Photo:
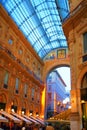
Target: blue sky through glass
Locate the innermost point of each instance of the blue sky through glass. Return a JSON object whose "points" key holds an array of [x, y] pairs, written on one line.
{"points": [[40, 22], [65, 74]]}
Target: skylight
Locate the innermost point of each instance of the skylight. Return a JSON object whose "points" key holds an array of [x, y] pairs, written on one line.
{"points": [[39, 21]]}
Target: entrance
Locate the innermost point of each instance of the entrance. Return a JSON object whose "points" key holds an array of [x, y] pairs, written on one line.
{"points": [[84, 101]]}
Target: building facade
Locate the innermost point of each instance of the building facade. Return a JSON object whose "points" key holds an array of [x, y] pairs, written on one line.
{"points": [[76, 34], [55, 94], [21, 86]]}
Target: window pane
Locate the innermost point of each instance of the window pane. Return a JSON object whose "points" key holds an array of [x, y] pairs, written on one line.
{"points": [[25, 89], [32, 92], [85, 42], [6, 78], [17, 83]]}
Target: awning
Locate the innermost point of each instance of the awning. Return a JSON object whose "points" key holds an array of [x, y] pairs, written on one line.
{"points": [[37, 119], [40, 120], [10, 116], [61, 117], [32, 120], [65, 115], [21, 118], [3, 119], [55, 120]]}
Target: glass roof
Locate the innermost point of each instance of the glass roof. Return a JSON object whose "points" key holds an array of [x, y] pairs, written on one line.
{"points": [[40, 22]]}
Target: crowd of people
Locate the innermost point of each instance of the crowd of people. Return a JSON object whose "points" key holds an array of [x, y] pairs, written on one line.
{"points": [[23, 126], [33, 126]]}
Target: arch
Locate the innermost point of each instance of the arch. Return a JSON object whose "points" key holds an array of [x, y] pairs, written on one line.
{"points": [[83, 95], [15, 102], [3, 101], [50, 65], [84, 81], [81, 74], [3, 98]]}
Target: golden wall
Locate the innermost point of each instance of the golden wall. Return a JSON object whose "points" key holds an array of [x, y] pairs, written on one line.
{"points": [[74, 27], [18, 58], [74, 4]]}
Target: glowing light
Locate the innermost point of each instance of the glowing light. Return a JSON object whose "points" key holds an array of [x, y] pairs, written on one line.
{"points": [[12, 110], [69, 107], [22, 112], [82, 101], [30, 114]]}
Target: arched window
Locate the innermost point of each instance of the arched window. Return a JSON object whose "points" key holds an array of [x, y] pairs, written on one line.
{"points": [[17, 85], [6, 79], [85, 42], [84, 88], [84, 100], [84, 81], [25, 90]]}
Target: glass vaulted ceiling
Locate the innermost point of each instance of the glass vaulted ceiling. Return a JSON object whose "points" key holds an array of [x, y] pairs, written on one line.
{"points": [[39, 21]]}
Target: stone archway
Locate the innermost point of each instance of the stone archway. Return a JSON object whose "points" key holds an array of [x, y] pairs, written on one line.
{"points": [[82, 105], [51, 64], [81, 74], [14, 105], [3, 100]]}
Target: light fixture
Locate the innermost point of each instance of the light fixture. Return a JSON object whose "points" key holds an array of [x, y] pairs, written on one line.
{"points": [[69, 107], [82, 101], [58, 103], [22, 112], [1, 109], [37, 114], [31, 114], [12, 110]]}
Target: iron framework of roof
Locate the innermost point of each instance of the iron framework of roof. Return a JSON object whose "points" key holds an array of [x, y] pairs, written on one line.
{"points": [[40, 22]]}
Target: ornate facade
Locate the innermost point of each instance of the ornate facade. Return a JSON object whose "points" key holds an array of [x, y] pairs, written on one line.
{"points": [[21, 86], [75, 29]]}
